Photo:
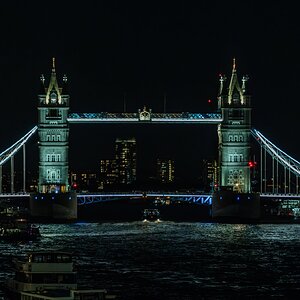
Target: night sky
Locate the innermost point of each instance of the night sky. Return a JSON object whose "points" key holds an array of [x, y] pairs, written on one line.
{"points": [[109, 49]]}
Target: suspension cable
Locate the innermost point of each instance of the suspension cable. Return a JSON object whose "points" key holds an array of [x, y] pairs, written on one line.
{"points": [[9, 152]]}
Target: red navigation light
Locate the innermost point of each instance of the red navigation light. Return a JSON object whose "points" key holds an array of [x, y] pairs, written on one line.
{"points": [[209, 101], [74, 185], [252, 164]]}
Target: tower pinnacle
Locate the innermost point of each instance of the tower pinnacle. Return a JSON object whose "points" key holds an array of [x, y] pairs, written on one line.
{"points": [[53, 64], [234, 65]]}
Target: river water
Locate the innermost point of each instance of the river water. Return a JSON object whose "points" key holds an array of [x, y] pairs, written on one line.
{"points": [[176, 260]]}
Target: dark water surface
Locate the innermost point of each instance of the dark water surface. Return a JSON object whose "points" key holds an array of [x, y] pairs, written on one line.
{"points": [[170, 260]]}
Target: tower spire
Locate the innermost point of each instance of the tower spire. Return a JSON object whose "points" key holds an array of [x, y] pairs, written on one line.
{"points": [[53, 85], [234, 87]]}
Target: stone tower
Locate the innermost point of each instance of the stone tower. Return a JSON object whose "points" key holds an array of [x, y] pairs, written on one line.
{"points": [[234, 134], [53, 132]]}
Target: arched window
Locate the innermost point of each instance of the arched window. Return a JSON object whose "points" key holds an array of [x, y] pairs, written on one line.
{"points": [[240, 138], [230, 138], [53, 97]]}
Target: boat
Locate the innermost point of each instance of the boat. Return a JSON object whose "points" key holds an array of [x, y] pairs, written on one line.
{"points": [[15, 227], [151, 215], [49, 275]]}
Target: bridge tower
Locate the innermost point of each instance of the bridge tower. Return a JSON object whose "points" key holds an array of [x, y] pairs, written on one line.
{"points": [[234, 134], [234, 151], [53, 132]]}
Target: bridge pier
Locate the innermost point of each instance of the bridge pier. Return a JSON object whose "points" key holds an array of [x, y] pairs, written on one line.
{"points": [[232, 206], [54, 206]]}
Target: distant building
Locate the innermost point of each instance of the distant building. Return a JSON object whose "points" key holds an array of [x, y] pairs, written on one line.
{"points": [[209, 173], [125, 157], [84, 181], [165, 170], [108, 175]]}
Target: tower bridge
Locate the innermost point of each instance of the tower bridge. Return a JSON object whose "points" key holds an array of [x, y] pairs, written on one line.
{"points": [[234, 196]]}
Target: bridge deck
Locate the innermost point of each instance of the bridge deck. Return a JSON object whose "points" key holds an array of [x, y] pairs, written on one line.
{"points": [[161, 118]]}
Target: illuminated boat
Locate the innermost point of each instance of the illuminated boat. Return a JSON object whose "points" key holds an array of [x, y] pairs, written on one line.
{"points": [[151, 214], [15, 227], [48, 275]]}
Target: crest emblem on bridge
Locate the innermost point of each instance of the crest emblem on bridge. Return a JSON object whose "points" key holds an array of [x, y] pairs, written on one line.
{"points": [[145, 115]]}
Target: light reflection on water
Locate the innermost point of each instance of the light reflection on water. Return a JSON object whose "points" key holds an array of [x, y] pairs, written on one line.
{"points": [[173, 260]]}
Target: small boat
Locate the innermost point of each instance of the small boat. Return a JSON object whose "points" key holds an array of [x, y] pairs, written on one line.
{"points": [[49, 275], [15, 227], [19, 230], [151, 215]]}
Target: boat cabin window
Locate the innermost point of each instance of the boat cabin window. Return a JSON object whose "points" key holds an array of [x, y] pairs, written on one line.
{"points": [[63, 258], [50, 257]]}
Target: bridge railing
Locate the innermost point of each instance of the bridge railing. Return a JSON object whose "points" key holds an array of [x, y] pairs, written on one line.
{"points": [[202, 199]]}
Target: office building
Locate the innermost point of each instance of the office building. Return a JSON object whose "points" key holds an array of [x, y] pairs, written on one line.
{"points": [[165, 170], [125, 157]]}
